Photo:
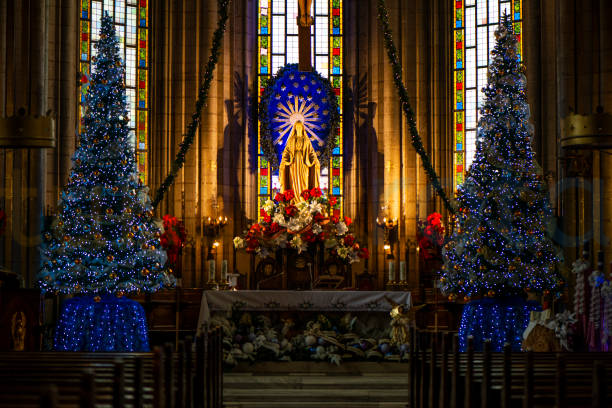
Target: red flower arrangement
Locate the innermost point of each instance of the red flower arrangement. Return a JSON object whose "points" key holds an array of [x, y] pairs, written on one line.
{"points": [[173, 238], [430, 236], [288, 224], [2, 222]]}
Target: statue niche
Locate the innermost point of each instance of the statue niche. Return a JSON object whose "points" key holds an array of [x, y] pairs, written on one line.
{"points": [[299, 168]]}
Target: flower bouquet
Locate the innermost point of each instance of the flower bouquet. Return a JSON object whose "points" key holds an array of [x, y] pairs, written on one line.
{"points": [[287, 222], [173, 239], [430, 236]]}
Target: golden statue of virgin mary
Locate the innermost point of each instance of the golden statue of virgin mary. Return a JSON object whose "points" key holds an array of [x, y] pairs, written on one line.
{"points": [[299, 167]]}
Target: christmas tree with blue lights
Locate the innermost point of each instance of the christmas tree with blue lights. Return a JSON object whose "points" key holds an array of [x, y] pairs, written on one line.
{"points": [[500, 249], [104, 244]]}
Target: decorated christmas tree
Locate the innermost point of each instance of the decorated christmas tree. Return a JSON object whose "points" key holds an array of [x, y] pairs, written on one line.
{"points": [[500, 249], [104, 244]]}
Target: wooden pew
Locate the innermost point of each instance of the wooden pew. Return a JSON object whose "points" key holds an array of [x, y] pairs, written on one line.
{"points": [[164, 378], [442, 377]]}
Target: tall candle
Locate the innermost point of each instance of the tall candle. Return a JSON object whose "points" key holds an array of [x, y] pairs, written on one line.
{"points": [[224, 271], [211, 270], [402, 271], [391, 272]]}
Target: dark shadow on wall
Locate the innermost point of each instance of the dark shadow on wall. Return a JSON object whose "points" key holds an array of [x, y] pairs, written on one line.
{"points": [[361, 140], [238, 121]]}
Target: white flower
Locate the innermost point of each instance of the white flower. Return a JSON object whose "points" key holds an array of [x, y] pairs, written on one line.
{"points": [[301, 206], [341, 228], [296, 224], [315, 207], [268, 206], [343, 252], [279, 219], [316, 229], [239, 243], [298, 244], [281, 241]]}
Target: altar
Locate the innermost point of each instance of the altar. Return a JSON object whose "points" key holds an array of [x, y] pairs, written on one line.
{"points": [[305, 301]]}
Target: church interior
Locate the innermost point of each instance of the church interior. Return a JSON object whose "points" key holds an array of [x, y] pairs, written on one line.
{"points": [[305, 203]]}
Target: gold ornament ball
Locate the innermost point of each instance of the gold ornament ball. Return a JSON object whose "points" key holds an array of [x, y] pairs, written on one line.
{"points": [[144, 271], [96, 173], [112, 275], [77, 261], [97, 298], [106, 137], [128, 210], [491, 293], [115, 189], [109, 210], [97, 235], [95, 141], [66, 238], [110, 258], [47, 236], [483, 267], [130, 235], [120, 294]]}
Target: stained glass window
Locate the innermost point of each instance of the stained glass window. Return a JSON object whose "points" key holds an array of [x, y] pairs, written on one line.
{"points": [[475, 22], [278, 45], [132, 26]]}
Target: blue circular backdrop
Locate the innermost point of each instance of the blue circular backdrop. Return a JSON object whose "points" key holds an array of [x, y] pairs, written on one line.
{"points": [[293, 95]]}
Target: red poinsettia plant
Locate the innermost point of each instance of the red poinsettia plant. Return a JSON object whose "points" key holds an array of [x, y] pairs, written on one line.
{"points": [[430, 235], [2, 222], [300, 223], [173, 238]]}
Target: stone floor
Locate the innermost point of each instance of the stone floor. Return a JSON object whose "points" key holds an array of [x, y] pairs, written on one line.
{"points": [[321, 385]]}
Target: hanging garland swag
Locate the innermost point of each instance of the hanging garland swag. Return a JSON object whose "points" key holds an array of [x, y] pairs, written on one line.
{"points": [[383, 19], [179, 161]]}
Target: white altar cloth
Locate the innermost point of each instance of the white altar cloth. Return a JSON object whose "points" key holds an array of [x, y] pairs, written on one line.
{"points": [[285, 300]]}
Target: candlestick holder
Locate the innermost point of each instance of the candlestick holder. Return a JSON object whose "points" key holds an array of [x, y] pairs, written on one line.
{"points": [[212, 230], [389, 227]]}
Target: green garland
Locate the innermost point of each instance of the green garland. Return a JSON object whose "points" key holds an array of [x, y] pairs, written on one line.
{"points": [[179, 161], [267, 144], [383, 19]]}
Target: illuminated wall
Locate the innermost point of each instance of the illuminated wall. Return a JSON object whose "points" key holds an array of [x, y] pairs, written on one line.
{"points": [[475, 22], [132, 25], [278, 45]]}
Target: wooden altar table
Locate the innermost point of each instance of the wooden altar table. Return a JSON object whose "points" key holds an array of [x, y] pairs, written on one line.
{"points": [[303, 301]]}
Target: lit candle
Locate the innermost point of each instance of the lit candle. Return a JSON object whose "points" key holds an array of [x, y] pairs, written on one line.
{"points": [[211, 270], [224, 271], [402, 271], [391, 272]]}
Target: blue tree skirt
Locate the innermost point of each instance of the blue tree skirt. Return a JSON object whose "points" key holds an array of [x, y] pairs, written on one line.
{"points": [[112, 324], [501, 320]]}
